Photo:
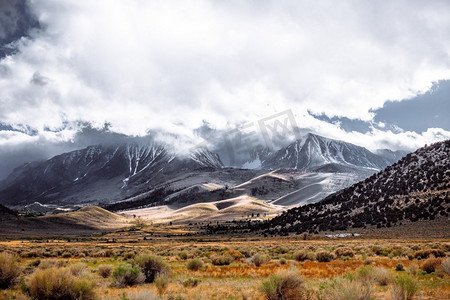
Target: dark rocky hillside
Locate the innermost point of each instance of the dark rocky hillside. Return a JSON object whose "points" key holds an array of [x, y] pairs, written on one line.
{"points": [[415, 188], [6, 213]]}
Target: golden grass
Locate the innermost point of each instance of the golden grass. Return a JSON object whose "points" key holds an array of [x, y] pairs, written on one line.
{"points": [[241, 278]]}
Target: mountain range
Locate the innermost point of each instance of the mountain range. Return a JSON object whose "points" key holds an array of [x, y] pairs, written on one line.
{"points": [[311, 168]]}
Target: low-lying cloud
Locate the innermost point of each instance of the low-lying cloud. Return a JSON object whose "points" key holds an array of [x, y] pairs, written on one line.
{"points": [[151, 66]]}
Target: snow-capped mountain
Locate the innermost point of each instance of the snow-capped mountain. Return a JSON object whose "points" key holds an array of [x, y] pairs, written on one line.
{"points": [[314, 151], [99, 173]]}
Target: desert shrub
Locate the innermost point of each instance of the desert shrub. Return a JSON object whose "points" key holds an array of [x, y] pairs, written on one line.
{"points": [[412, 269], [288, 285], [32, 253], [258, 259], [221, 260], [191, 282], [77, 269], [236, 254], [300, 255], [366, 274], [105, 270], [422, 254], [99, 253], [35, 263], [183, 255], [430, 264], [66, 254], [280, 250], [9, 269], [346, 289], [161, 283], [128, 255], [446, 266], [282, 261], [344, 251], [51, 263], [59, 283], [381, 276], [324, 256], [12, 295], [128, 275], [83, 289], [152, 266], [399, 267], [404, 287], [369, 275], [195, 264]]}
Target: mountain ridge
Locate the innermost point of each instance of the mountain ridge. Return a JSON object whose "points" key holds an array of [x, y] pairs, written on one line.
{"points": [[415, 188]]}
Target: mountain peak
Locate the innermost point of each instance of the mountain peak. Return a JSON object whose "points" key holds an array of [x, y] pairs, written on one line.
{"points": [[313, 151]]}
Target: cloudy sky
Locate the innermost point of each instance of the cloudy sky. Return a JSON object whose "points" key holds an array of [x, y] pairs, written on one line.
{"points": [[374, 73]]}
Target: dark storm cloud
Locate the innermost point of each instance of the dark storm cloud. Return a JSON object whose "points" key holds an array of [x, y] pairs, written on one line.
{"points": [[431, 109], [35, 147], [15, 21]]}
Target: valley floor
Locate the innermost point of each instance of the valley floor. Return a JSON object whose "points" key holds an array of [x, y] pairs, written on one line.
{"points": [[237, 268]]}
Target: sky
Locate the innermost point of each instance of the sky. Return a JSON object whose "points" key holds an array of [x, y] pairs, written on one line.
{"points": [[373, 73]]}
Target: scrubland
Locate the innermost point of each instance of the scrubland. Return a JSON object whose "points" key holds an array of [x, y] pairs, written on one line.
{"points": [[266, 268]]}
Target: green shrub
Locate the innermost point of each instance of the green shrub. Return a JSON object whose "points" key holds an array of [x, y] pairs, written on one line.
{"points": [[128, 275], [9, 269], [105, 270], [183, 255], [77, 269], [422, 254], [430, 264], [195, 264], [324, 256], [344, 251], [282, 261], [152, 266], [287, 285], [129, 255], [399, 267], [346, 289], [300, 255], [59, 283], [404, 287], [258, 259], [51, 263], [381, 276], [83, 289], [365, 274], [235, 254], [191, 282], [221, 260]]}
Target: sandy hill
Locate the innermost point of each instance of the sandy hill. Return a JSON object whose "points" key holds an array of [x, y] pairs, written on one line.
{"points": [[86, 220]]}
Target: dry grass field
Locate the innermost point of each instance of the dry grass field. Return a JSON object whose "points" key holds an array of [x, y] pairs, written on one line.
{"points": [[119, 266]]}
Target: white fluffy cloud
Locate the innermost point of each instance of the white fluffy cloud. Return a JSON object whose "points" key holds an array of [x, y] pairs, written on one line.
{"points": [[142, 65]]}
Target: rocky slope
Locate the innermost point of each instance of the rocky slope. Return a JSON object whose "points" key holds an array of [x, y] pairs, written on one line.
{"points": [[415, 188]]}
